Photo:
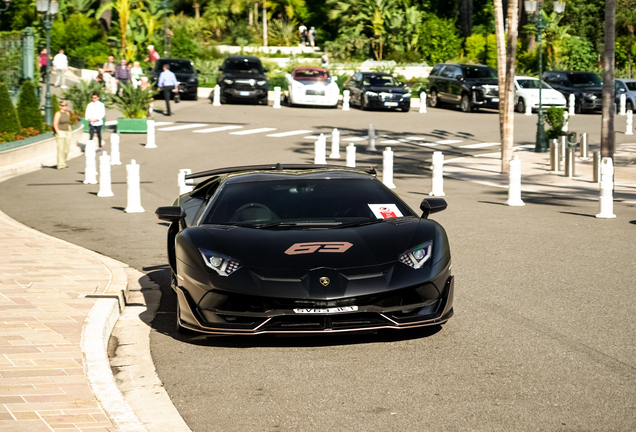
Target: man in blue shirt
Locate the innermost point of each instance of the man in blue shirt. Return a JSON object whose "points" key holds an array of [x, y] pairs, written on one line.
{"points": [[167, 83]]}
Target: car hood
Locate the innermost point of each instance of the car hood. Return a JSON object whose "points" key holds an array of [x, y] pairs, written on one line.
{"points": [[243, 75], [545, 93], [396, 90]]}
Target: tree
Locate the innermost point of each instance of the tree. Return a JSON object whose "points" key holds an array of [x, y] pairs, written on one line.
{"points": [[29, 108], [439, 39], [609, 105], [626, 20], [9, 121], [123, 8]]}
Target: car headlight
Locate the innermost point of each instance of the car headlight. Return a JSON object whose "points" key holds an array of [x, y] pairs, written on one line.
{"points": [[417, 256], [372, 94], [193, 79], [589, 95], [406, 95], [261, 83], [221, 264], [228, 81]]}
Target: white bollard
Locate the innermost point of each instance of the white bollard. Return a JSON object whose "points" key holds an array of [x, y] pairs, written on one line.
{"points": [[345, 100], [184, 185], [387, 168], [371, 146], [514, 183], [319, 152], [90, 172], [217, 96], [277, 97], [528, 109], [438, 174], [114, 150], [606, 199], [335, 144], [571, 104], [351, 156], [622, 101], [150, 134], [134, 188], [105, 189], [566, 118], [423, 102], [629, 127]]}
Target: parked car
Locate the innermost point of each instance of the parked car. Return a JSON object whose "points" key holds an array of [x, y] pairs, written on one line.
{"points": [[302, 249], [527, 93], [242, 78], [309, 85], [378, 90], [185, 73], [468, 86], [628, 88], [585, 86]]}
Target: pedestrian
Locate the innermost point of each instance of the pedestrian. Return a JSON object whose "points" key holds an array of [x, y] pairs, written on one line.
{"points": [[62, 128], [43, 61], [100, 77], [109, 73], [145, 85], [167, 83], [122, 75], [302, 30], [135, 74], [153, 55], [324, 60], [95, 113], [60, 63], [312, 37]]}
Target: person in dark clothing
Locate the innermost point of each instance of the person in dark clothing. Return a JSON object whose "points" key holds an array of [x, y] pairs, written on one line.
{"points": [[167, 83], [122, 75]]}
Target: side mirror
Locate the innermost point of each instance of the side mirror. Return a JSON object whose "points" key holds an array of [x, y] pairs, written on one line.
{"points": [[198, 71], [170, 214], [221, 68], [432, 205], [459, 78], [265, 70]]}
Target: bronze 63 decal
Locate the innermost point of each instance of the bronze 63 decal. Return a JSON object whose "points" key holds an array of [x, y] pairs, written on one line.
{"points": [[307, 248]]}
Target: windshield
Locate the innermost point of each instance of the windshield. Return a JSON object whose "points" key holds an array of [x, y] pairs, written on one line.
{"points": [[177, 66], [305, 203], [380, 81], [311, 75], [479, 72], [631, 86], [532, 84], [242, 65], [585, 80]]}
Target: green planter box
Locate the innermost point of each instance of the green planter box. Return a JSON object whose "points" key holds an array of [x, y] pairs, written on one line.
{"points": [[125, 125]]}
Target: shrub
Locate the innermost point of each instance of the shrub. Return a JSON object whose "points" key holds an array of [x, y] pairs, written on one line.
{"points": [[555, 118], [183, 46], [491, 51], [579, 54], [9, 121], [29, 107], [79, 95], [133, 102], [439, 39], [475, 48]]}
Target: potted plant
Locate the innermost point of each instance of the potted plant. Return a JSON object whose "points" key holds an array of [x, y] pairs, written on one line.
{"points": [[133, 104], [80, 95], [555, 118]]}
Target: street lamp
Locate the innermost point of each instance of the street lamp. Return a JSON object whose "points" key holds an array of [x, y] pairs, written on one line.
{"points": [[48, 7], [533, 9], [7, 3]]}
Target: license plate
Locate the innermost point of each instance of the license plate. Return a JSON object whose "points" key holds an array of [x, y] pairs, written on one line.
{"points": [[315, 92], [392, 104], [244, 93], [495, 99], [342, 309]]}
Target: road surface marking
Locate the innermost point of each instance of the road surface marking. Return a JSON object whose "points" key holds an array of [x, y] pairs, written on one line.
{"points": [[362, 138], [479, 145], [252, 131], [448, 141], [290, 133], [181, 127], [217, 129]]}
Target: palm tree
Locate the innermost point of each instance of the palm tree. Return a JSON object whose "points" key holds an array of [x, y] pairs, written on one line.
{"points": [[123, 8]]}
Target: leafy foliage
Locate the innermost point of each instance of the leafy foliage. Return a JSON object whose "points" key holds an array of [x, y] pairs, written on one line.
{"points": [[554, 117], [475, 48], [133, 102], [9, 121], [29, 107], [578, 54], [439, 40], [80, 95]]}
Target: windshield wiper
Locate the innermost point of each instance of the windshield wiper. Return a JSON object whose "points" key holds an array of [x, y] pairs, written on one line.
{"points": [[360, 223], [295, 224]]}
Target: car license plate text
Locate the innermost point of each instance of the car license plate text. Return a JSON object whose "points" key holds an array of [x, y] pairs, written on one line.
{"points": [[495, 99], [390, 104], [341, 309], [244, 93]]}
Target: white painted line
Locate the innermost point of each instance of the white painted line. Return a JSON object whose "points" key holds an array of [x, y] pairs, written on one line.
{"points": [[252, 131], [489, 154], [217, 129], [315, 137], [111, 122], [362, 138], [290, 133], [427, 144], [415, 138], [181, 127], [391, 142], [480, 145], [448, 141], [526, 146], [157, 124]]}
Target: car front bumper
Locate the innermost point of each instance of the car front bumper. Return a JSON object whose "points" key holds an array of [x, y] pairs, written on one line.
{"points": [[377, 103], [237, 94]]}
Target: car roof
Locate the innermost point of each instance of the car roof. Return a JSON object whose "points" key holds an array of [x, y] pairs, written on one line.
{"points": [[242, 57], [626, 79], [313, 68], [292, 175], [376, 73], [166, 60]]}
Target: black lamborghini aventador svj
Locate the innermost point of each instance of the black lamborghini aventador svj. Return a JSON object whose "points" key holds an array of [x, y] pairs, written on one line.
{"points": [[304, 249]]}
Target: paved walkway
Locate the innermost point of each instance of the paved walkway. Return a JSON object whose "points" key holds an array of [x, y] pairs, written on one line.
{"points": [[43, 284]]}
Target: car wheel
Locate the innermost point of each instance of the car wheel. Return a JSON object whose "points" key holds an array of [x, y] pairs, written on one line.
{"points": [[578, 108], [433, 102], [406, 108], [521, 106], [465, 103], [629, 106], [223, 100], [364, 104]]}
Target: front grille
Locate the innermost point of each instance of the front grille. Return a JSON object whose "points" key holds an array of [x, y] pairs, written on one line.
{"points": [[390, 96], [289, 323]]}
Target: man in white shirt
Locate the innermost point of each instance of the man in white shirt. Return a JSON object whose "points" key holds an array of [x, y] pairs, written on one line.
{"points": [[95, 113], [60, 63]]}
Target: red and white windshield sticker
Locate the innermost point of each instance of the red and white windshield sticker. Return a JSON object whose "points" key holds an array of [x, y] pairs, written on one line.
{"points": [[385, 211]]}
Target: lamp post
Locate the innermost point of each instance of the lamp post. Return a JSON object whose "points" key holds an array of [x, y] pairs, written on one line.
{"points": [[536, 17], [7, 3], [48, 7], [164, 6]]}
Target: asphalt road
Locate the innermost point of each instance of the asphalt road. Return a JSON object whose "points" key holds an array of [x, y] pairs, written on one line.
{"points": [[544, 330]]}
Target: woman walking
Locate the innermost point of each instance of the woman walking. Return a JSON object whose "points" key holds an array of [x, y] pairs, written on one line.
{"points": [[62, 126]]}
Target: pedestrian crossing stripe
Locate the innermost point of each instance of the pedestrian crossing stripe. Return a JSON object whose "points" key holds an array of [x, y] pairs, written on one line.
{"points": [[252, 131], [391, 142], [448, 141], [480, 145], [362, 138], [217, 129], [181, 127], [290, 133], [157, 124]]}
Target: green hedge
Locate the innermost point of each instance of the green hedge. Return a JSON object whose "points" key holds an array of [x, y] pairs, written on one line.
{"points": [[9, 121], [29, 108]]}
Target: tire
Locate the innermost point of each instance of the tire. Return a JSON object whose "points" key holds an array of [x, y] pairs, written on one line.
{"points": [[432, 99], [521, 106], [364, 105], [629, 107], [578, 109], [465, 104], [407, 108]]}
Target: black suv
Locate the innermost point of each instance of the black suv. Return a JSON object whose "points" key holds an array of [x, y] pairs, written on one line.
{"points": [[185, 73], [242, 78], [378, 90], [586, 87], [468, 86]]}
